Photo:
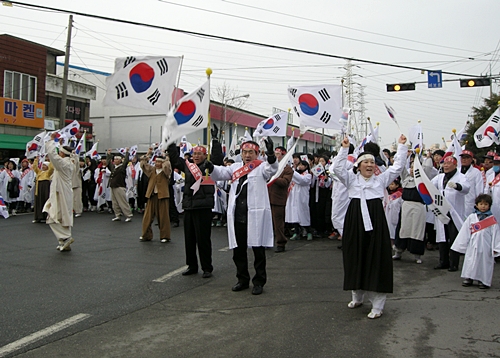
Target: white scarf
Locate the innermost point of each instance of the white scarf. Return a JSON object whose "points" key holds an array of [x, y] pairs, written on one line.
{"points": [[363, 184]]}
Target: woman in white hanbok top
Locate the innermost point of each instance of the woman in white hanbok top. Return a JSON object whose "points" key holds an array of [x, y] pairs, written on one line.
{"points": [[297, 204]]}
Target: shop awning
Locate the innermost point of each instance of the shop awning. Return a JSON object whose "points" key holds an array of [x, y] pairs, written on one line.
{"points": [[11, 141]]}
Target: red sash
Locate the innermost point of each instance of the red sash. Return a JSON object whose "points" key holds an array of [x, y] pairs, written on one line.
{"points": [[26, 171], [132, 168], [395, 195], [483, 224], [9, 173], [377, 170], [495, 181], [247, 168], [194, 170]]}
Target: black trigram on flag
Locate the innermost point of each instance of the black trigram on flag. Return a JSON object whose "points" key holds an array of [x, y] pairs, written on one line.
{"points": [[296, 111], [38, 138], [417, 173], [201, 94], [231, 153], [163, 66], [276, 129], [479, 137], [438, 199], [121, 90], [277, 117], [436, 212], [154, 97], [128, 61], [198, 121], [325, 117], [495, 119], [293, 91], [324, 94]]}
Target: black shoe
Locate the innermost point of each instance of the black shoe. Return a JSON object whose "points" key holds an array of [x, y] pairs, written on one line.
{"points": [[257, 290], [190, 271], [339, 247], [206, 274], [175, 224], [280, 249], [441, 267], [467, 282], [240, 287], [482, 286], [453, 269]]}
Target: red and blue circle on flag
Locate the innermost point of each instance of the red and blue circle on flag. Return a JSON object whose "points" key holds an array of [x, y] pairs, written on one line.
{"points": [[185, 112], [308, 104], [141, 77], [424, 194]]}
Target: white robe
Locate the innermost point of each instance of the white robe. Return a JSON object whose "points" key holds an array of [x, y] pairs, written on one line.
{"points": [[494, 191], [59, 206], [297, 203], [4, 180], [475, 179], [260, 223], [480, 250], [340, 199], [26, 186], [392, 207], [456, 198]]}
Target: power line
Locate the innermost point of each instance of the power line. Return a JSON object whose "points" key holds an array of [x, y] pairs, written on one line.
{"points": [[246, 42]]}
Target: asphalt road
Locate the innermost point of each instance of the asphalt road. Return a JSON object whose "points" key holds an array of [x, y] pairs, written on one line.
{"points": [[107, 286]]}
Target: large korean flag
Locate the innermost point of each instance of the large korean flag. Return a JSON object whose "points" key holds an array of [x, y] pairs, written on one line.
{"points": [[488, 133], [143, 82], [317, 106], [189, 115]]}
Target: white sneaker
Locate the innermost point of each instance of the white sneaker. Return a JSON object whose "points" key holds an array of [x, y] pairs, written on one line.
{"points": [[353, 304], [92, 208], [373, 315], [67, 242], [78, 215], [117, 218], [129, 219], [14, 213]]}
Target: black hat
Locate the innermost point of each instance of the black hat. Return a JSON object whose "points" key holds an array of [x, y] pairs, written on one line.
{"points": [[438, 152]]}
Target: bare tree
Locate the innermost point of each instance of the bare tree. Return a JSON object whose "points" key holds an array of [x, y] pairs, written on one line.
{"points": [[232, 101]]}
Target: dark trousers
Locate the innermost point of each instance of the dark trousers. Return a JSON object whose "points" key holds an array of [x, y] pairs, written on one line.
{"points": [[174, 214], [449, 257], [241, 260], [197, 232], [278, 212], [88, 190]]}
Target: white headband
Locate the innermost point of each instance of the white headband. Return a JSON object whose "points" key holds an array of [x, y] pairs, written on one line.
{"points": [[364, 157], [117, 157]]}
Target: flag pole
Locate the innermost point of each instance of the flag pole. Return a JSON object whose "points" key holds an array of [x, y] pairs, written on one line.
{"points": [[209, 128]]}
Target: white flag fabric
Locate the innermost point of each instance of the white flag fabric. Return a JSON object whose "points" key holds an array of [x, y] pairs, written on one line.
{"points": [[317, 106], [416, 137], [93, 153], [189, 115], [317, 169], [344, 118], [3, 208], [431, 196], [132, 152], [283, 163], [246, 137], [487, 134], [80, 148], [185, 146], [290, 142], [232, 147], [143, 82], [273, 126], [70, 130], [34, 146]]}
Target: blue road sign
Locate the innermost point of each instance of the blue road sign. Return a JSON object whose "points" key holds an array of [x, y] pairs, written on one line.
{"points": [[434, 79]]}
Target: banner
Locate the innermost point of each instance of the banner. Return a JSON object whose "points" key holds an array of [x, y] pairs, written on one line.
{"points": [[317, 106], [145, 82]]}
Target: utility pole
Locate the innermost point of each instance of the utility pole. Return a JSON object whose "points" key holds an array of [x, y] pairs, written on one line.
{"points": [[62, 116]]}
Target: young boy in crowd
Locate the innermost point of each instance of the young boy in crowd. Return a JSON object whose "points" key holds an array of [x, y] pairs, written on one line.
{"points": [[479, 239]]}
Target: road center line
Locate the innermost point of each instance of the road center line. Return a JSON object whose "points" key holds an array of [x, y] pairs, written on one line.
{"points": [[11, 347], [169, 275]]}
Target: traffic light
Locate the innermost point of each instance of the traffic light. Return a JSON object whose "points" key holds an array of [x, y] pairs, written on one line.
{"points": [[475, 82], [401, 87]]}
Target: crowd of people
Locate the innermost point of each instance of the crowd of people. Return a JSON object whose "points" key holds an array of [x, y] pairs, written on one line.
{"points": [[370, 202]]}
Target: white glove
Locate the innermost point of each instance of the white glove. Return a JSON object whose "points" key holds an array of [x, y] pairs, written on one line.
{"points": [[452, 185]]}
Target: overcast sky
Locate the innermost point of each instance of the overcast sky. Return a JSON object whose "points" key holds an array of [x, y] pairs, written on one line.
{"points": [[456, 36]]}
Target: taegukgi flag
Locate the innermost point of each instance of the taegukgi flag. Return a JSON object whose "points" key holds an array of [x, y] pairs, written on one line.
{"points": [[70, 130], [143, 82], [488, 133], [93, 153], [431, 196], [273, 126], [188, 115], [33, 147], [317, 106], [3, 208]]}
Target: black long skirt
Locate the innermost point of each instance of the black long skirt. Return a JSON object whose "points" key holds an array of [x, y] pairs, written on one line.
{"points": [[41, 198], [367, 254]]}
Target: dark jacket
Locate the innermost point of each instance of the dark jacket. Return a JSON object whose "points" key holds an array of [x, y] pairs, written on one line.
{"points": [[278, 191], [118, 174], [204, 197]]}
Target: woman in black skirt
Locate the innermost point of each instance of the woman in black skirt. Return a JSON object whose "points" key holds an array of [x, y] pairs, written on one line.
{"points": [[42, 188], [366, 241]]}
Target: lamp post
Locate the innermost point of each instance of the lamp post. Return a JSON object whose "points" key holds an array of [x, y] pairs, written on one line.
{"points": [[225, 108]]}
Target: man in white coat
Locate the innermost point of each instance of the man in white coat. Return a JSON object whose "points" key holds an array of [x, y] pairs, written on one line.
{"points": [[454, 186], [249, 219], [475, 179], [59, 206]]}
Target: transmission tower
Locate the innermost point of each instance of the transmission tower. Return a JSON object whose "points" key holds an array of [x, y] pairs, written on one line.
{"points": [[363, 124], [350, 101]]}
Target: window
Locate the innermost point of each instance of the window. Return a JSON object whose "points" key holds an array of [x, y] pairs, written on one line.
{"points": [[19, 86]]}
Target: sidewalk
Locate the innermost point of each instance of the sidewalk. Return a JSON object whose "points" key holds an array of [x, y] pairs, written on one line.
{"points": [[303, 313]]}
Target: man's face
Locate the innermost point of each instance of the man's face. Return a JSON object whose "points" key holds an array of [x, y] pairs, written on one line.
{"points": [[449, 167], [158, 164], [278, 154], [199, 157], [248, 155], [103, 162], [296, 162], [117, 161], [466, 160]]}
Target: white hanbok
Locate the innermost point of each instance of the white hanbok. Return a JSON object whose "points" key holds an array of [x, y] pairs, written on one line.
{"points": [[260, 223], [297, 204], [476, 183], [26, 186], [5, 178], [480, 249]]}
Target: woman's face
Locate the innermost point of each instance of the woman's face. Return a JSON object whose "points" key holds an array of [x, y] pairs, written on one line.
{"points": [[322, 161], [10, 166], [366, 167], [301, 167]]}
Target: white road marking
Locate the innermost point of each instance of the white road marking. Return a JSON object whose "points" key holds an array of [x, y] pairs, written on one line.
{"points": [[224, 249], [169, 275], [14, 346]]}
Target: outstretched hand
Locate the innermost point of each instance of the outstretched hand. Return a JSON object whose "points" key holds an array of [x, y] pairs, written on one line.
{"points": [[269, 147], [345, 142], [402, 139], [214, 131]]}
